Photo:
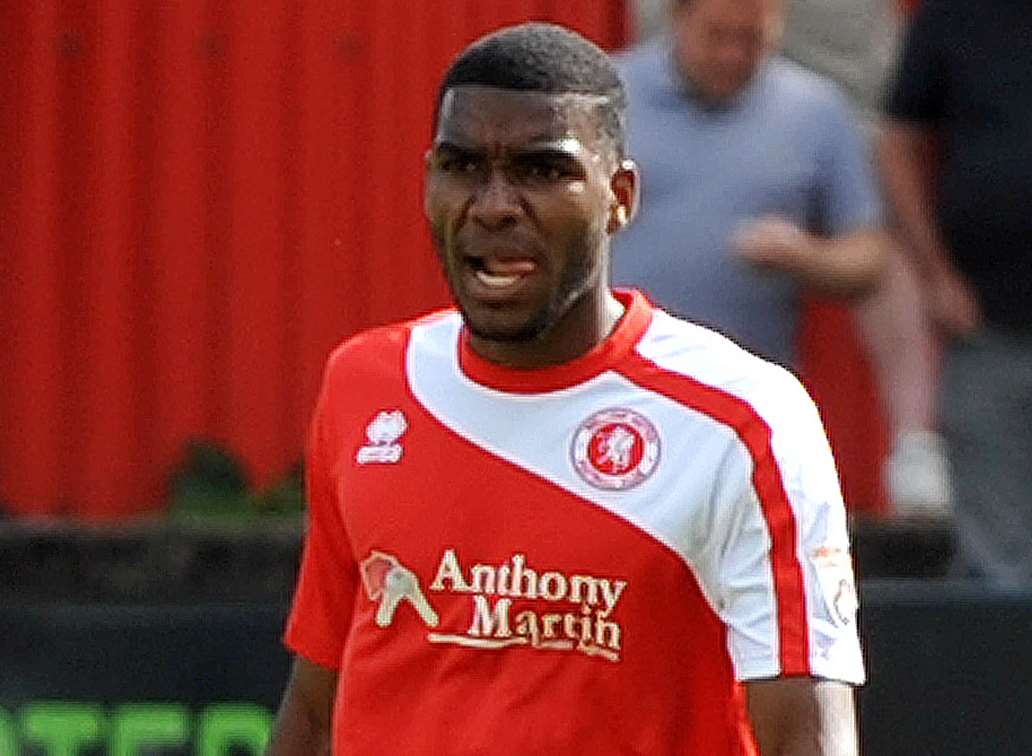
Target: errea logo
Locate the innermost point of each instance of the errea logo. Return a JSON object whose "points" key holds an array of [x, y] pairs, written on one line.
{"points": [[382, 435]]}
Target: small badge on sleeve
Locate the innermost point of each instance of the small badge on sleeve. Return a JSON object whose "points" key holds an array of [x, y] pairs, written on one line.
{"points": [[834, 570]]}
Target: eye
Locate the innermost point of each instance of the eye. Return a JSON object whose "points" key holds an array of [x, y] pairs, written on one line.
{"points": [[548, 172], [459, 165], [544, 171]]}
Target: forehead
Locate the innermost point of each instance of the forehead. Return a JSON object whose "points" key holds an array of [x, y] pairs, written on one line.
{"points": [[737, 12], [478, 115]]}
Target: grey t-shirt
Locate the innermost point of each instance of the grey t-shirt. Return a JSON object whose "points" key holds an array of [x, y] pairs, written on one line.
{"points": [[788, 146]]}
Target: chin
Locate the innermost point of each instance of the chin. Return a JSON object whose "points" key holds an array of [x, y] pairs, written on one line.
{"points": [[514, 333], [506, 327]]}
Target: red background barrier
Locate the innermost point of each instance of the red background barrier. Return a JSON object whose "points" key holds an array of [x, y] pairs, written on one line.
{"points": [[200, 200]]}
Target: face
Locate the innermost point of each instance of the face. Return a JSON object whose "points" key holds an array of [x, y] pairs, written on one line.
{"points": [[719, 44], [522, 194]]}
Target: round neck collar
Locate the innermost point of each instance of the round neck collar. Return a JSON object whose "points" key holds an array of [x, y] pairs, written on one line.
{"points": [[628, 332]]}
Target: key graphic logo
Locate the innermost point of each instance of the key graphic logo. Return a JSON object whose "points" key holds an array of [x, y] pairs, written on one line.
{"points": [[388, 581]]}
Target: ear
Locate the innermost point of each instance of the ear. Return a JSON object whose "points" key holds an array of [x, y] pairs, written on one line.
{"points": [[625, 186]]}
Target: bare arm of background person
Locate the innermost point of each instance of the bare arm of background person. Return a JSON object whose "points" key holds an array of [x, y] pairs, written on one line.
{"points": [[803, 717], [304, 722], [904, 152], [846, 267]]}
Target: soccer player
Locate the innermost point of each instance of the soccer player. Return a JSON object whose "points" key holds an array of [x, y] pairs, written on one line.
{"points": [[557, 520]]}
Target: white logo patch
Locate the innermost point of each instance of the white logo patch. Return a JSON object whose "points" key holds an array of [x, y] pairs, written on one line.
{"points": [[383, 434]]}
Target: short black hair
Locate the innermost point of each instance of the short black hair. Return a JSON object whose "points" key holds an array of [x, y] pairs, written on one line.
{"points": [[542, 57]]}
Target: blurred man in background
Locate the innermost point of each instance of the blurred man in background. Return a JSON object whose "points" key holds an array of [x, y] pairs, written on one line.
{"points": [[962, 102], [761, 187], [757, 179], [854, 43]]}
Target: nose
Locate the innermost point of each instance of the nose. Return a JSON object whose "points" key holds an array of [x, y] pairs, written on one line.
{"points": [[740, 50], [495, 203], [734, 55]]}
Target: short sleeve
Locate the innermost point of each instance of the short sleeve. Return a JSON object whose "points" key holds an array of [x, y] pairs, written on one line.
{"points": [[917, 91], [784, 583], [324, 597], [849, 200]]}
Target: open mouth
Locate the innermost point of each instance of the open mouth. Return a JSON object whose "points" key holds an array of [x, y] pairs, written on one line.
{"points": [[495, 273]]}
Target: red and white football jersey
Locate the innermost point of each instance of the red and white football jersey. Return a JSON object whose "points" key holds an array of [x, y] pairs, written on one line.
{"points": [[588, 558]]}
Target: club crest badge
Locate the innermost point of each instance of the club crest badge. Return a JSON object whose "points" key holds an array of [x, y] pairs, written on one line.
{"points": [[615, 449]]}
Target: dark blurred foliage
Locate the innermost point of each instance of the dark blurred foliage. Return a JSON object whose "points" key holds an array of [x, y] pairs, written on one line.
{"points": [[212, 482]]}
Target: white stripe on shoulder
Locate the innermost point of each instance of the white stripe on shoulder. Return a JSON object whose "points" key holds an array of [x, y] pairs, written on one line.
{"points": [[714, 360], [807, 472], [536, 432], [774, 394], [698, 501]]}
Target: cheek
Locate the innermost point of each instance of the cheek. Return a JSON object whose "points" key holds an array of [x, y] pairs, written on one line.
{"points": [[439, 207], [433, 198], [578, 200], [691, 51], [577, 228], [568, 221]]}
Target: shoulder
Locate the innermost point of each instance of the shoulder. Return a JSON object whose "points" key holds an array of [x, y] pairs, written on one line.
{"points": [[710, 373], [938, 10], [816, 109], [643, 66], [377, 352], [810, 94], [938, 23]]}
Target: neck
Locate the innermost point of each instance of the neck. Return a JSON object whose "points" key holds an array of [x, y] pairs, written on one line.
{"points": [[587, 324]]}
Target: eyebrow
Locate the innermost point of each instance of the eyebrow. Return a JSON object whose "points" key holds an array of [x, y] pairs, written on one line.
{"points": [[565, 147], [562, 146], [456, 149]]}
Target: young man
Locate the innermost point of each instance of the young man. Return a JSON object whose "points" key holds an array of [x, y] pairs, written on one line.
{"points": [[556, 519]]}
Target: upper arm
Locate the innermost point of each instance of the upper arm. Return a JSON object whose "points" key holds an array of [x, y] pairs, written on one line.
{"points": [[320, 617], [304, 722], [849, 201], [917, 93], [802, 717], [314, 687], [778, 562], [916, 142]]}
